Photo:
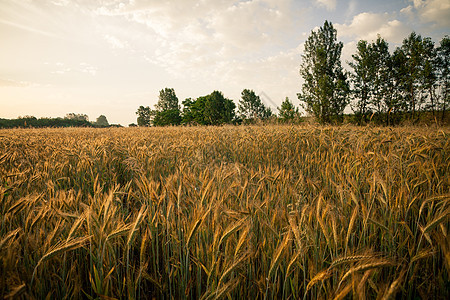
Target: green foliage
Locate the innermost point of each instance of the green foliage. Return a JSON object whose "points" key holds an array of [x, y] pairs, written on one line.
{"points": [[372, 80], [102, 121], [251, 107], [443, 74], [33, 122], [167, 117], [77, 117], [287, 112], [213, 109], [325, 90], [144, 116], [218, 109], [418, 53], [392, 88], [361, 79], [167, 110]]}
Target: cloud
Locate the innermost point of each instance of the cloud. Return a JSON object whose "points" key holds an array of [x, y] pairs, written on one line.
{"points": [[115, 42], [60, 2], [62, 68], [13, 83], [87, 68], [198, 37], [242, 25], [28, 28], [330, 5], [430, 11], [367, 26]]}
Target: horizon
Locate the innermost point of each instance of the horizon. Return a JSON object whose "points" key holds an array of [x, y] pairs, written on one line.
{"points": [[110, 57]]}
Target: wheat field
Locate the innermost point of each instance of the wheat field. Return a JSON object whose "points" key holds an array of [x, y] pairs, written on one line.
{"points": [[246, 212]]}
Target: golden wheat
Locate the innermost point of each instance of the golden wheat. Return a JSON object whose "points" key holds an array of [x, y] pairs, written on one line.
{"points": [[275, 212]]}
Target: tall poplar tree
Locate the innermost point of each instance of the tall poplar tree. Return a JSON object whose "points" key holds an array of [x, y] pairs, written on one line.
{"points": [[443, 66], [362, 78], [325, 90]]}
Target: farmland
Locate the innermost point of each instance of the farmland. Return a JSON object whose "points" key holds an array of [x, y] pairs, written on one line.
{"points": [[214, 212]]}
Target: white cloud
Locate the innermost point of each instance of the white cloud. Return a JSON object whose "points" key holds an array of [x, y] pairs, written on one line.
{"points": [[433, 11], [115, 42], [367, 26], [28, 28], [347, 51], [87, 68], [62, 68], [13, 83], [245, 25], [198, 37], [60, 2], [330, 5]]}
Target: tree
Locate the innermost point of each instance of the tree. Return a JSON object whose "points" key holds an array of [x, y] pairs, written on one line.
{"points": [[144, 116], [287, 112], [212, 109], [325, 90], [102, 121], [372, 78], [399, 73], [218, 109], [251, 107], [77, 117], [362, 78], [443, 75], [382, 87], [167, 110], [187, 115], [389, 69], [417, 53], [429, 75]]}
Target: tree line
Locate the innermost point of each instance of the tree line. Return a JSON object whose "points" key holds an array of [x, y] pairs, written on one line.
{"points": [[382, 87], [212, 109], [70, 120]]}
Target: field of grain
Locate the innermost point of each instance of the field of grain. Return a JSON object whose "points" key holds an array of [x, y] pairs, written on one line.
{"points": [[273, 212]]}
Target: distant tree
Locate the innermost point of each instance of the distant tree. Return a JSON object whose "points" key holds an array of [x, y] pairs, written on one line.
{"points": [[218, 109], [380, 74], [187, 116], [399, 73], [325, 90], [428, 77], [212, 109], [196, 111], [132, 125], [362, 78], [251, 107], [77, 117], [287, 112], [443, 74], [417, 53], [167, 110], [102, 121], [144, 116], [384, 95]]}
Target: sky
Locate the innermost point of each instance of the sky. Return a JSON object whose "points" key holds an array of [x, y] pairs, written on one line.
{"points": [[108, 57]]}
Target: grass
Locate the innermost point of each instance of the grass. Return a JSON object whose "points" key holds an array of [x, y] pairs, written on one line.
{"points": [[266, 212]]}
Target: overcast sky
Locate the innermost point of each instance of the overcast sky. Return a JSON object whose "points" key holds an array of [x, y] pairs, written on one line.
{"points": [[111, 56]]}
